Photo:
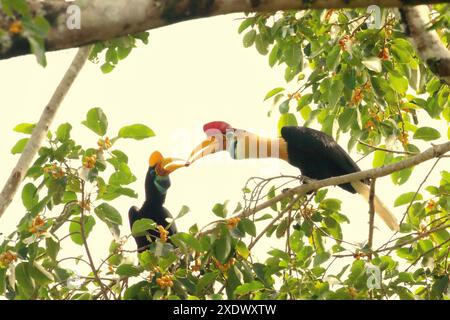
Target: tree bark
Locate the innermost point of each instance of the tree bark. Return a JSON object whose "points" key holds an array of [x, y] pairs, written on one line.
{"points": [[40, 131], [106, 19], [428, 45]]}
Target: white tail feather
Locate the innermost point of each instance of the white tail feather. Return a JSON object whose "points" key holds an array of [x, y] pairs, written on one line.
{"points": [[380, 208]]}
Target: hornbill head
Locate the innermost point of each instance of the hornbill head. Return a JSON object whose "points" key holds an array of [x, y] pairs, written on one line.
{"points": [[159, 170], [240, 144]]}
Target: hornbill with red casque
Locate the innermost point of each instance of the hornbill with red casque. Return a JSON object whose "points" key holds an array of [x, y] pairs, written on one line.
{"points": [[315, 153], [157, 182]]}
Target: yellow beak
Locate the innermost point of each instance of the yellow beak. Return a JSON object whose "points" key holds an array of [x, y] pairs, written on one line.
{"points": [[165, 166], [170, 164], [207, 147]]}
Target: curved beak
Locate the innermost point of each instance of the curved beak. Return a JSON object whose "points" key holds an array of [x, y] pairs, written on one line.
{"points": [[169, 165], [207, 147]]}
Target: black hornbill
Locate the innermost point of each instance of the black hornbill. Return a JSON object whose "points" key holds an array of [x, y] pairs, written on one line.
{"points": [[157, 182], [315, 153]]}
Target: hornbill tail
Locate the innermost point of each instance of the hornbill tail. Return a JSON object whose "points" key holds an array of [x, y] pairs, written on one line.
{"points": [[380, 208]]}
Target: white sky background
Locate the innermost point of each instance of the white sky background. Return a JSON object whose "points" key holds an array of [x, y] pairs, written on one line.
{"points": [[189, 74]]}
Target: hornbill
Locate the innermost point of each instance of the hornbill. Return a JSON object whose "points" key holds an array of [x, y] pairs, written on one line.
{"points": [[157, 182], [315, 153]]}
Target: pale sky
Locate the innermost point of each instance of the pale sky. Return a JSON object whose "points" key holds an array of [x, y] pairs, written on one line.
{"points": [[189, 74]]}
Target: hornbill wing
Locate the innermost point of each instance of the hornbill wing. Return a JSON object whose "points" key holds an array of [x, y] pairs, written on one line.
{"points": [[335, 151], [317, 154], [134, 215], [322, 145]]}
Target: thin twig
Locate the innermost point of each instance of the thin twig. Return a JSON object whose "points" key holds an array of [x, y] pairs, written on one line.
{"points": [[386, 150]]}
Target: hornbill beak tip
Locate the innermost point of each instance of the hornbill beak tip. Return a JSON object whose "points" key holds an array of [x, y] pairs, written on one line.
{"points": [[206, 147]]}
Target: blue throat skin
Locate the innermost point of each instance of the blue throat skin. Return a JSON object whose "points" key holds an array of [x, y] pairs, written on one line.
{"points": [[162, 184]]}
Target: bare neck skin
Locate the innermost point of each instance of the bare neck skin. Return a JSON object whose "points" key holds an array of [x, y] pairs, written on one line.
{"points": [[251, 146]]}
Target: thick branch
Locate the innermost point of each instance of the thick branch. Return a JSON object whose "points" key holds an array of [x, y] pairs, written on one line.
{"points": [[106, 19], [433, 152], [40, 131], [427, 42]]}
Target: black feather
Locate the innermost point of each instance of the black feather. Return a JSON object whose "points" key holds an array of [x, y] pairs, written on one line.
{"points": [[153, 208], [317, 155]]}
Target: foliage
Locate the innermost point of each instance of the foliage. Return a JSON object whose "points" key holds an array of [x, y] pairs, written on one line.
{"points": [[116, 50], [21, 22], [351, 79]]}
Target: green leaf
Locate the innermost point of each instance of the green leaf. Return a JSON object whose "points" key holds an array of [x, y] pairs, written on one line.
{"points": [[30, 196], [96, 121], [122, 176], [24, 280], [378, 158], [335, 93], [284, 106], [242, 250], [19, 146], [136, 131], [75, 228], [273, 56], [141, 226], [222, 247], [248, 226], [183, 211], [286, 119], [108, 213], [26, 128], [282, 227], [63, 132], [107, 67], [347, 118], [206, 280], [220, 209], [273, 92], [123, 52], [111, 56], [188, 239], [293, 55], [128, 270], [306, 112], [331, 204], [398, 82], [248, 288], [38, 48], [261, 45], [40, 274], [407, 198], [2, 280], [400, 177], [321, 258], [427, 134], [440, 285], [53, 248], [373, 64], [333, 58], [249, 38], [245, 24]]}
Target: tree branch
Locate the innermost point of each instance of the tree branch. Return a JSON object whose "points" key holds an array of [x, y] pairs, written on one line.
{"points": [[427, 42], [106, 19], [40, 131], [432, 152], [371, 216]]}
